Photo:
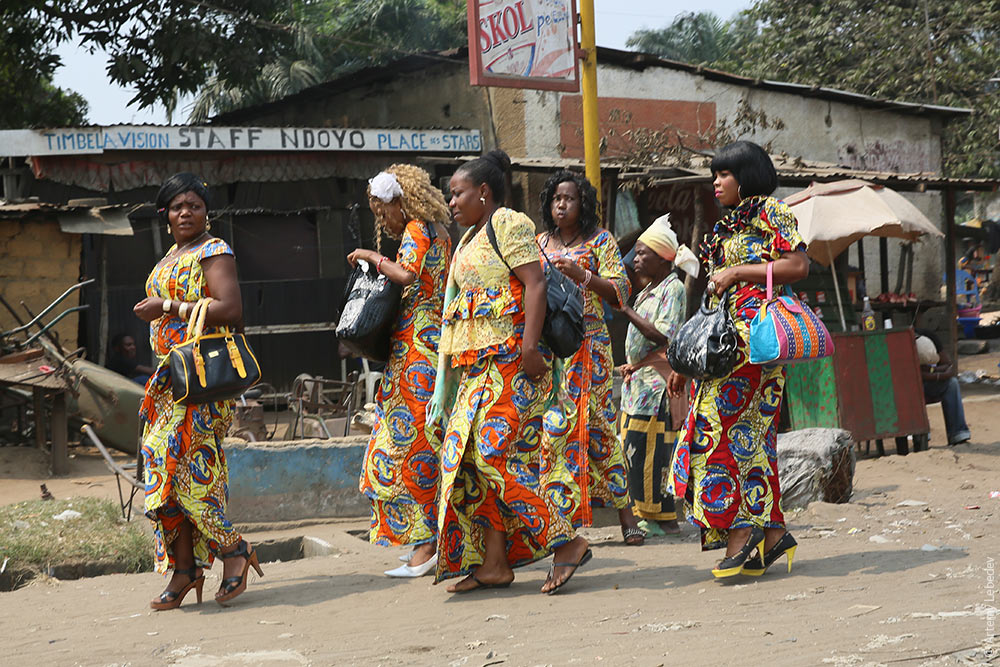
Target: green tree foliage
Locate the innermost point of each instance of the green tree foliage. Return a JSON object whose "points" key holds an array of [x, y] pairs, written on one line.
{"points": [[333, 37], [700, 37], [30, 99], [933, 51], [159, 49]]}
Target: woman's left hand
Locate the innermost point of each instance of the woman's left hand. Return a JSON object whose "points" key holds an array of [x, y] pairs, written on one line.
{"points": [[149, 309], [723, 280], [533, 363], [369, 256], [570, 269]]}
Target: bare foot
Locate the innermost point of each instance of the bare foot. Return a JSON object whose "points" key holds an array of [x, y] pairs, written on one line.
{"points": [[486, 579], [571, 552], [670, 527]]}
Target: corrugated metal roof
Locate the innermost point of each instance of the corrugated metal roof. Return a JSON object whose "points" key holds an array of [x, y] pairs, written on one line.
{"points": [[606, 56]]}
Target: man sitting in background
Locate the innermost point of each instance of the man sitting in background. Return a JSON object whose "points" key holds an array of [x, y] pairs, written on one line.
{"points": [[122, 359], [941, 384]]}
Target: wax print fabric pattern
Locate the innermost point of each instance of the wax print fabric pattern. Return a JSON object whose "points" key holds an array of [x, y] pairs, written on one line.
{"points": [[492, 444], [647, 436], [725, 463], [184, 464], [592, 471], [400, 470]]}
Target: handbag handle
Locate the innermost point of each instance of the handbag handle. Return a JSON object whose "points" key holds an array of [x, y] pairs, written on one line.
{"points": [[196, 320], [770, 280]]}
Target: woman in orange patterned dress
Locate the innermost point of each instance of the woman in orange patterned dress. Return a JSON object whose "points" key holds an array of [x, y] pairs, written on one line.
{"points": [[400, 473], [493, 514], [185, 468], [593, 472]]}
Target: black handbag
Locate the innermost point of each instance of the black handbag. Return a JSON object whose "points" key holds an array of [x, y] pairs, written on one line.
{"points": [[206, 368], [705, 346], [371, 306], [562, 329]]}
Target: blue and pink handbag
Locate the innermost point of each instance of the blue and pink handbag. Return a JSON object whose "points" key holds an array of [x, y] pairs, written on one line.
{"points": [[784, 331]]}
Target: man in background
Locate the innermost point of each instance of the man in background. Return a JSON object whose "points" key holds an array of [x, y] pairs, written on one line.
{"points": [[122, 359], [940, 376]]}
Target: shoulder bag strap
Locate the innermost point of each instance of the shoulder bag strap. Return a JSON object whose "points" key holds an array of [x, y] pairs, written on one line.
{"points": [[492, 235]]}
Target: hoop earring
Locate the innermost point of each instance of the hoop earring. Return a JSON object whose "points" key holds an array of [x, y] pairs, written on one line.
{"points": [[208, 226], [739, 191]]}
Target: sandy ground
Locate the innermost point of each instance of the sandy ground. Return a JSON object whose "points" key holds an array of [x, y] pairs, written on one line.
{"points": [[903, 574]]}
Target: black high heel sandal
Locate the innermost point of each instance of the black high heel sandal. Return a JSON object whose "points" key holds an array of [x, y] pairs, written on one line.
{"points": [[233, 586], [730, 566], [173, 599], [755, 567]]}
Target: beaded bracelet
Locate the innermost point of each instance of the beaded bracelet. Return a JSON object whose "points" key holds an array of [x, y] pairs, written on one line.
{"points": [[378, 265]]}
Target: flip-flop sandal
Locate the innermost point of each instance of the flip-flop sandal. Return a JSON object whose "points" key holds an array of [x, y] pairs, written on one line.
{"points": [[584, 559], [631, 534], [480, 585]]}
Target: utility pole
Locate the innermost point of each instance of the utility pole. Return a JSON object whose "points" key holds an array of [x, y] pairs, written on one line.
{"points": [[591, 123]]}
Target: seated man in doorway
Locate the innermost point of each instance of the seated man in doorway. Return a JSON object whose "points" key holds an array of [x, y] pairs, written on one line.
{"points": [[939, 374], [122, 359]]}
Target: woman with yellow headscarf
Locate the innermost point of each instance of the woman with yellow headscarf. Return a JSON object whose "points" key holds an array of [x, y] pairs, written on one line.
{"points": [[647, 434]]}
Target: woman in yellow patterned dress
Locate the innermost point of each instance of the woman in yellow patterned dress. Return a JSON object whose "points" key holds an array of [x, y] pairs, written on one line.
{"points": [[492, 514], [592, 473], [185, 468], [401, 469], [725, 462]]}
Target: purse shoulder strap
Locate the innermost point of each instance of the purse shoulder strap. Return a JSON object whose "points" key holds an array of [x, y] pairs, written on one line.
{"points": [[492, 236], [770, 280], [196, 320]]}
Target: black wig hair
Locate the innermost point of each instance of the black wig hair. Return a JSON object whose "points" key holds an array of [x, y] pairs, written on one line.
{"points": [[751, 166], [590, 208], [491, 169], [178, 184]]}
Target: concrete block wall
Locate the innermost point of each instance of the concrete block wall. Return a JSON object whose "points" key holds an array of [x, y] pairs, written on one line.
{"points": [[38, 262]]}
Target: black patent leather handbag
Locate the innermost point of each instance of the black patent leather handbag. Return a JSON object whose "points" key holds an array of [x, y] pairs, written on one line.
{"points": [[207, 368], [371, 306], [705, 346], [562, 328]]}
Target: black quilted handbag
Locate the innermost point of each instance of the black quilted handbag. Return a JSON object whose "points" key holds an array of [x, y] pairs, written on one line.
{"points": [[206, 368], [371, 305], [368, 316], [705, 346], [562, 329]]}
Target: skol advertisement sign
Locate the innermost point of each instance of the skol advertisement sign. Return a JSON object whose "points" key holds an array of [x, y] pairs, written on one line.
{"points": [[523, 44]]}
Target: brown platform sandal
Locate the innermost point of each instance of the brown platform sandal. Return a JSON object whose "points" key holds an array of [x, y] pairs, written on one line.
{"points": [[233, 586], [173, 599]]}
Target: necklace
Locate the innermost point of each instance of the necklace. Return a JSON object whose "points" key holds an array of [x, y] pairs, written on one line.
{"points": [[571, 241], [192, 243]]}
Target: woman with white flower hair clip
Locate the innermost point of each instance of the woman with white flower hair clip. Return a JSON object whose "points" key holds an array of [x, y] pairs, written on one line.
{"points": [[400, 470]]}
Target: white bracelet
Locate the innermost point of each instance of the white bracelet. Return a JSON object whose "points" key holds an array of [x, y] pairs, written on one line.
{"points": [[166, 305]]}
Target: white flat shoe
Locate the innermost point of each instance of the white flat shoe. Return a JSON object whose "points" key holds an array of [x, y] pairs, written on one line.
{"points": [[413, 571]]}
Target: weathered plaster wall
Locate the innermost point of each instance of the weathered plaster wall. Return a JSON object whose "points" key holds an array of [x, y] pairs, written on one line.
{"points": [[815, 129], [38, 262]]}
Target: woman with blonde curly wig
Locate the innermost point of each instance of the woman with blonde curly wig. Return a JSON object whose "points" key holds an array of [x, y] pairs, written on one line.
{"points": [[400, 472]]}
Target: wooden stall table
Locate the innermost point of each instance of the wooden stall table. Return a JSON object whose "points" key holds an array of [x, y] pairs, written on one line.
{"points": [[30, 375], [871, 387]]}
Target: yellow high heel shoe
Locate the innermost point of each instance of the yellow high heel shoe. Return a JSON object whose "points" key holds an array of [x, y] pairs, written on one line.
{"points": [[755, 566], [730, 566]]}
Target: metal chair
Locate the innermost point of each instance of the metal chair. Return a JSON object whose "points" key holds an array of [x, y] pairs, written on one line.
{"points": [[131, 473], [317, 399]]}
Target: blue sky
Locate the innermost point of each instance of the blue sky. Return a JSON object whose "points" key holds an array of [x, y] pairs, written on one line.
{"points": [[85, 73]]}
